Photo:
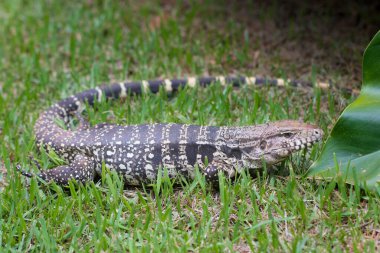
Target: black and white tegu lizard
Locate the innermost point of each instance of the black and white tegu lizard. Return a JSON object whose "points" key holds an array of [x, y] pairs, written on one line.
{"points": [[138, 151]]}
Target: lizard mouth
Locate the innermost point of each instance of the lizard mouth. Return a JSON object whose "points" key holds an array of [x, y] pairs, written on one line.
{"points": [[296, 145]]}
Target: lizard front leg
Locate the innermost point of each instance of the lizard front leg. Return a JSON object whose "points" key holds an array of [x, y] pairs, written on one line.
{"points": [[212, 170], [81, 169]]}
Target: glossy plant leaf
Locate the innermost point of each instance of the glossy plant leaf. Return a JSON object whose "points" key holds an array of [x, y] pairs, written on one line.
{"points": [[353, 148]]}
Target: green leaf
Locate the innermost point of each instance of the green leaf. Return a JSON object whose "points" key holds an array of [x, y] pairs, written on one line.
{"points": [[353, 148]]}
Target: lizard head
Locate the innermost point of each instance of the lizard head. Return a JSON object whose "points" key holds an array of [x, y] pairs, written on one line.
{"points": [[273, 142]]}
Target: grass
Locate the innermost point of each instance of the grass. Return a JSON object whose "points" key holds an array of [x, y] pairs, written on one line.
{"points": [[52, 50]]}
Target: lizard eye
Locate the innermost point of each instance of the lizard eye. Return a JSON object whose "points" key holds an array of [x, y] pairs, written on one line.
{"points": [[263, 145], [288, 135]]}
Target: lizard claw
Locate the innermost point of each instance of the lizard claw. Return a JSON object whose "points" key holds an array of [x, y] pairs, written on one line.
{"points": [[36, 163], [23, 172]]}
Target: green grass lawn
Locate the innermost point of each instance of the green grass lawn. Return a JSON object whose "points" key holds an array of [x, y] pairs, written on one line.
{"points": [[51, 49]]}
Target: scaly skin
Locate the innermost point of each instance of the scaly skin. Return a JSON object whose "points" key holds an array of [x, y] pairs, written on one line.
{"points": [[138, 151]]}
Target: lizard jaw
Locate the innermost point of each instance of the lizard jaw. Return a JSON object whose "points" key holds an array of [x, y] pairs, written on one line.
{"points": [[300, 143], [303, 143]]}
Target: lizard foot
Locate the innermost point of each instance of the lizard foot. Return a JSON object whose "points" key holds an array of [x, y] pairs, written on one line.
{"points": [[82, 169]]}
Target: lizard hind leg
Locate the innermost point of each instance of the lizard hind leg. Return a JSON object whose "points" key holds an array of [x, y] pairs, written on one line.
{"points": [[83, 123], [81, 169]]}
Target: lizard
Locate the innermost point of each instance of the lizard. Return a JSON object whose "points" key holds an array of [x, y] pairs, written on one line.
{"points": [[137, 152]]}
